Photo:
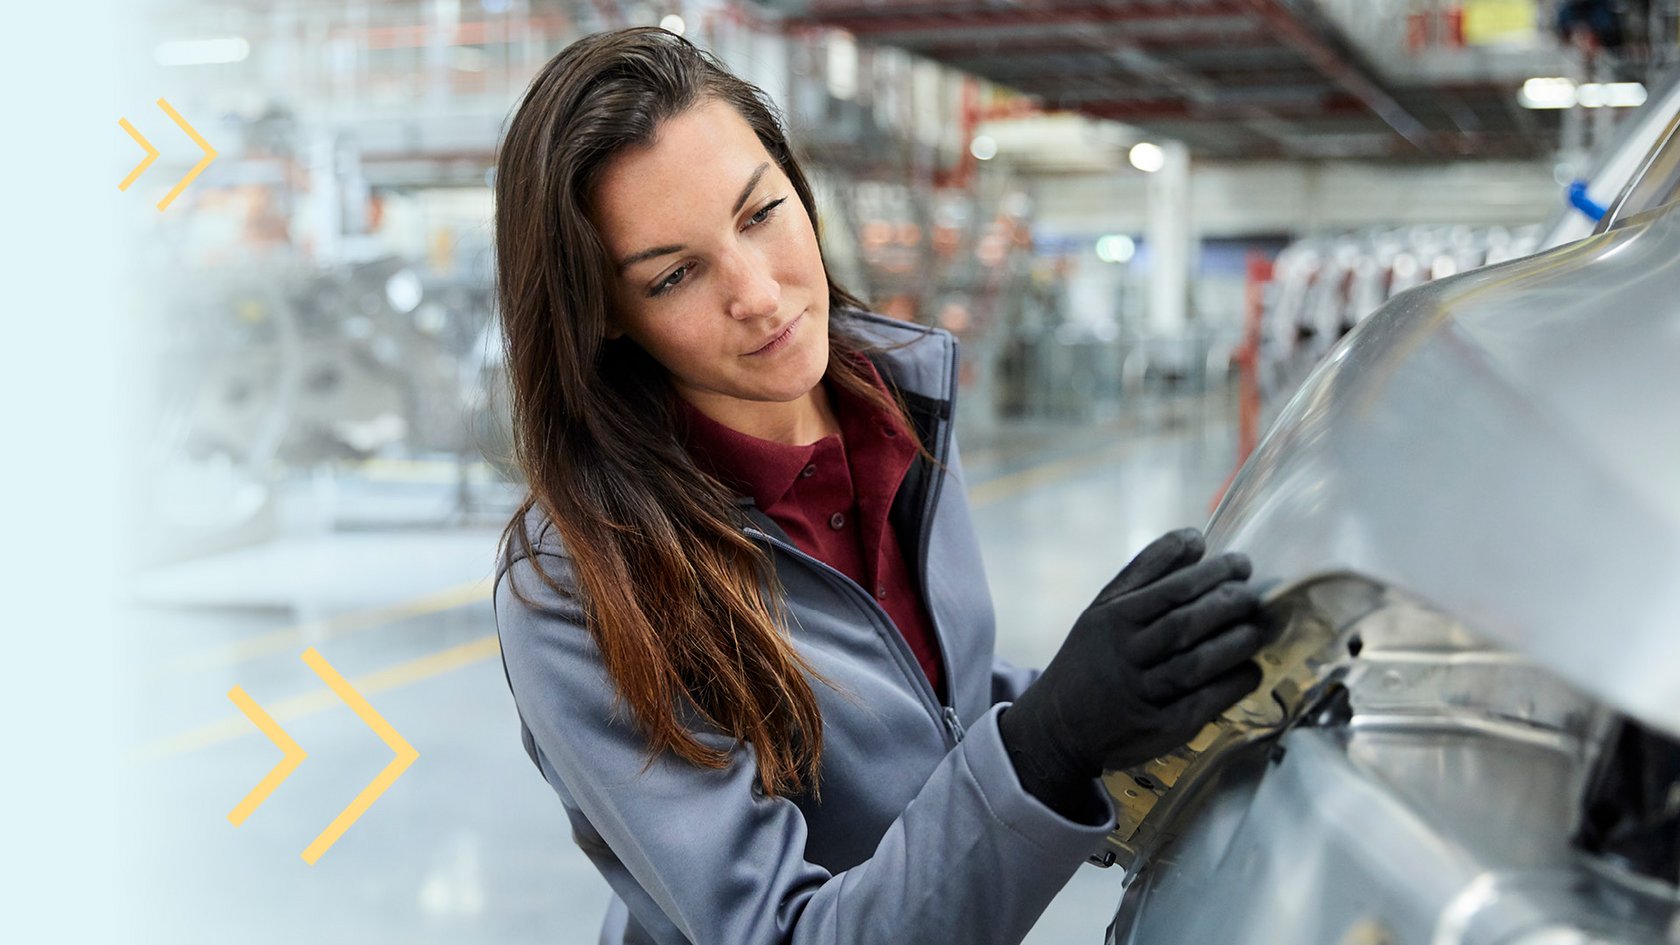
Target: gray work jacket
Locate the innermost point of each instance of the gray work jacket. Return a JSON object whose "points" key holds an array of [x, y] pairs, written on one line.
{"points": [[923, 834]]}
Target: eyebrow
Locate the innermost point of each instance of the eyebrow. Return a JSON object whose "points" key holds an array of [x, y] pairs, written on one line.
{"points": [[752, 182]]}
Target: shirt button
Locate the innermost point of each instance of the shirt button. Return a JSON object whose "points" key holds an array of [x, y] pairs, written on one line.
{"points": [[881, 591], [808, 471], [836, 520]]}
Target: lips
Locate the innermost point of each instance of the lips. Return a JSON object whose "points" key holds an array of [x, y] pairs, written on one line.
{"points": [[779, 338]]}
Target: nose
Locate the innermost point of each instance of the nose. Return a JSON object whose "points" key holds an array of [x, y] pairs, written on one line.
{"points": [[753, 291]]}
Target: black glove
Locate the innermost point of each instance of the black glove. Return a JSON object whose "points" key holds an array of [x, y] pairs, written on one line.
{"points": [[1164, 649]]}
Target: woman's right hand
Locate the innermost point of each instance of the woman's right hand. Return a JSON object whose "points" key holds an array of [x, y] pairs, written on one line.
{"points": [[1165, 648]]}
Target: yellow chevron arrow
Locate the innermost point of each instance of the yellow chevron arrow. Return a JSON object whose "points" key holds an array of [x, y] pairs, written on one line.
{"points": [[152, 153], [405, 756], [294, 755], [198, 139]]}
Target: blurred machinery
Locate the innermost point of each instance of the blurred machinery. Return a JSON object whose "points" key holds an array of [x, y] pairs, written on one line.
{"points": [[1325, 286], [273, 372]]}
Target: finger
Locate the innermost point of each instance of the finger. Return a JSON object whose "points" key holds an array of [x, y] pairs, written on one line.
{"points": [[1164, 555], [1196, 709], [1186, 627], [1179, 722], [1195, 668], [1187, 584]]}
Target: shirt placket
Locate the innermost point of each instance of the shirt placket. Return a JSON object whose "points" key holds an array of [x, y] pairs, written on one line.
{"points": [[826, 486]]}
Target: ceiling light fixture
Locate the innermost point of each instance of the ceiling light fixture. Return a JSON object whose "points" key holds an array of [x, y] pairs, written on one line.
{"points": [[1547, 92], [201, 52], [1147, 157], [1560, 92], [1116, 248], [1613, 94]]}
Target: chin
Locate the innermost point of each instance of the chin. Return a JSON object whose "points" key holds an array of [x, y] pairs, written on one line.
{"points": [[800, 385], [794, 384], [816, 364]]}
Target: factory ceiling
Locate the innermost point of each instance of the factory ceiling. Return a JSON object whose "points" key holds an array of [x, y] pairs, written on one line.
{"points": [[1231, 78]]}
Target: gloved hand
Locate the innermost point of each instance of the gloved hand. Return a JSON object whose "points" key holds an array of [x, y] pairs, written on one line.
{"points": [[1164, 649]]}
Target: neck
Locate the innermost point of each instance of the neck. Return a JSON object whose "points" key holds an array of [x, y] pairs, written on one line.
{"points": [[795, 423]]}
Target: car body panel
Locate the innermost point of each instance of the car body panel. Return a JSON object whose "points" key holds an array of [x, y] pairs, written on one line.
{"points": [[1504, 444]]}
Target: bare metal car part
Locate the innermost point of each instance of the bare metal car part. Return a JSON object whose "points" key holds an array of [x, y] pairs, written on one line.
{"points": [[1469, 727], [1408, 784]]}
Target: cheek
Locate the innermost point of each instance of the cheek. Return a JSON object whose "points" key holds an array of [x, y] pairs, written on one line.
{"points": [[679, 341], [804, 251]]}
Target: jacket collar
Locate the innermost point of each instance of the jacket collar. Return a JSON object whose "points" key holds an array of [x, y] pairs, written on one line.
{"points": [[920, 363], [917, 361]]}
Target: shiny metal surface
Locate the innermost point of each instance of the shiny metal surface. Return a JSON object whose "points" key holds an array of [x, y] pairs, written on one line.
{"points": [[1656, 180], [1425, 789], [1343, 840], [1504, 446], [1477, 497], [1351, 653], [1622, 163]]}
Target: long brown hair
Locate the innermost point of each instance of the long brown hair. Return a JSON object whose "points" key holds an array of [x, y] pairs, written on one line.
{"points": [[682, 605]]}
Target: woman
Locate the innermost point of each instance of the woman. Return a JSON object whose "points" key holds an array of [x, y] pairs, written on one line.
{"points": [[742, 611]]}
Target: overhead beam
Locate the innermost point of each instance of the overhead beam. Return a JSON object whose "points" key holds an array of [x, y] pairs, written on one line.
{"points": [[1268, 95], [1135, 111], [1019, 41], [1335, 65], [908, 24]]}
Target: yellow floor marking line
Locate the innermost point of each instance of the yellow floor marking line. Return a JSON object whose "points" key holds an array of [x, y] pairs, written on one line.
{"points": [[293, 755], [437, 471], [460, 595], [1011, 484], [326, 628], [308, 703]]}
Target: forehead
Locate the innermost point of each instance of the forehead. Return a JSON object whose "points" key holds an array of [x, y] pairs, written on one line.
{"points": [[690, 174]]}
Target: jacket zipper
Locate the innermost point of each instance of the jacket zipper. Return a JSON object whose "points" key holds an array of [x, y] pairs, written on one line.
{"points": [[944, 716], [954, 724], [925, 538]]}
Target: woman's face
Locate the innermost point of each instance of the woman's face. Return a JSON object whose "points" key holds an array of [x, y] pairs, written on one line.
{"points": [[717, 261]]}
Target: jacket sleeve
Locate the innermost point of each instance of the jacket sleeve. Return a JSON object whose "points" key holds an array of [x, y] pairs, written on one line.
{"points": [[1009, 680], [973, 858]]}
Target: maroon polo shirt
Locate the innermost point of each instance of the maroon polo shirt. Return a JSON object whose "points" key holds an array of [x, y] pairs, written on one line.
{"points": [[832, 499]]}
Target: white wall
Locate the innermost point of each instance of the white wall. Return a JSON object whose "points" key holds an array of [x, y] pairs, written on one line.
{"points": [[1273, 197]]}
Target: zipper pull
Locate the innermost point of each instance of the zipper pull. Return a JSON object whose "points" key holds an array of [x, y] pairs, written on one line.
{"points": [[954, 724]]}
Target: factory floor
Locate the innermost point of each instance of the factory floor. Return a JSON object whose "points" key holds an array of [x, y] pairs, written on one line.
{"points": [[470, 845]]}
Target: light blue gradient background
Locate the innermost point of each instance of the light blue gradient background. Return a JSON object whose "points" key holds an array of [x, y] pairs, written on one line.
{"points": [[60, 384]]}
